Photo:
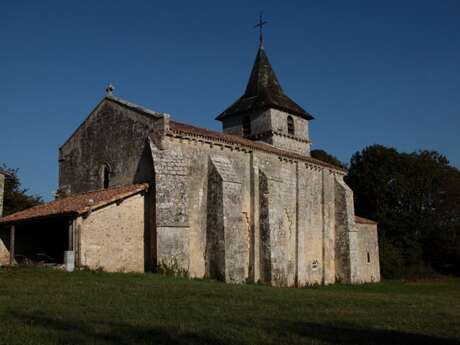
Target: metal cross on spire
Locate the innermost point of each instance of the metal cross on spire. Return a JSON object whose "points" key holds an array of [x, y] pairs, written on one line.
{"points": [[260, 25]]}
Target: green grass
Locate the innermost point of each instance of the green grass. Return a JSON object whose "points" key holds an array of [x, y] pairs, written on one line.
{"points": [[40, 306]]}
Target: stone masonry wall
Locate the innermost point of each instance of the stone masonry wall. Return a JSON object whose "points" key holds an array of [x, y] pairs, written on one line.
{"points": [[330, 204], [215, 232], [112, 238], [233, 223], [279, 230], [260, 123], [311, 234], [289, 143], [211, 180], [347, 247], [265, 267], [284, 222], [275, 121], [4, 246], [279, 124], [114, 135], [368, 253], [216, 209], [173, 211], [297, 142]]}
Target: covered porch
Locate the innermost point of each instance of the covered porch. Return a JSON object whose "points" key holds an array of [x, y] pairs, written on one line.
{"points": [[106, 229], [40, 241]]}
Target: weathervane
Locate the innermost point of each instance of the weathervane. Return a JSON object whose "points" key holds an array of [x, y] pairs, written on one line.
{"points": [[260, 25]]}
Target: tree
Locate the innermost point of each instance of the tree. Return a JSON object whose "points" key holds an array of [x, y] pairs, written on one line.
{"points": [[326, 157], [415, 197], [16, 198]]}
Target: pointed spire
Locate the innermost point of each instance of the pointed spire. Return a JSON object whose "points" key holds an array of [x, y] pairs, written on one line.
{"points": [[264, 91], [263, 79]]}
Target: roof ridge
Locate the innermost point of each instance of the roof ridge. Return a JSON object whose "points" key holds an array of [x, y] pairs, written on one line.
{"points": [[234, 139], [113, 188], [106, 189], [120, 101], [102, 203], [137, 107]]}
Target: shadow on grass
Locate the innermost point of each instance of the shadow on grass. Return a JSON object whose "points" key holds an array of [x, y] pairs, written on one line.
{"points": [[77, 332], [346, 334], [102, 332]]}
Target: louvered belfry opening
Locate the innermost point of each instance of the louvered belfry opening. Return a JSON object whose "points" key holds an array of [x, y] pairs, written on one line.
{"points": [[290, 125]]}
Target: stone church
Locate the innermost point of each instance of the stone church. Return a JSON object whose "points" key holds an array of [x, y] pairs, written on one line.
{"points": [[139, 191]]}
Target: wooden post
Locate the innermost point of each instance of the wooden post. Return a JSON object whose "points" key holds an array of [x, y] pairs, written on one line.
{"points": [[76, 241], [69, 254], [12, 235]]}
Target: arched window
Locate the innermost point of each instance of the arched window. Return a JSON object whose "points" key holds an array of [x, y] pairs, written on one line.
{"points": [[368, 258], [290, 125], [246, 126], [106, 176]]}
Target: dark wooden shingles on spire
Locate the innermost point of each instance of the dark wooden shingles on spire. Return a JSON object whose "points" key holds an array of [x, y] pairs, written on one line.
{"points": [[264, 91]]}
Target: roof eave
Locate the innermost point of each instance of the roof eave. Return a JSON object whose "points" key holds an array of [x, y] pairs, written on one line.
{"points": [[38, 218], [120, 198], [366, 221], [305, 115], [251, 144], [76, 212]]}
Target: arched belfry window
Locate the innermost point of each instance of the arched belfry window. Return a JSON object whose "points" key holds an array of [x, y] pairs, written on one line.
{"points": [[290, 125], [246, 126], [106, 170]]}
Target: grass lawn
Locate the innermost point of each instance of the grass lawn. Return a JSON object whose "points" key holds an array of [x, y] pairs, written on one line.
{"points": [[39, 306]]}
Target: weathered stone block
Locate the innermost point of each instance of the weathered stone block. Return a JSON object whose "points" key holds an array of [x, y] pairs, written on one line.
{"points": [[112, 238], [369, 261]]}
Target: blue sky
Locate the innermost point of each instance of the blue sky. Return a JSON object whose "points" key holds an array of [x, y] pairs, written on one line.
{"points": [[383, 72]]}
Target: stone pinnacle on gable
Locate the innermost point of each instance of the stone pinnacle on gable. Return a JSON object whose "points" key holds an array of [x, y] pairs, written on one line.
{"points": [[109, 89]]}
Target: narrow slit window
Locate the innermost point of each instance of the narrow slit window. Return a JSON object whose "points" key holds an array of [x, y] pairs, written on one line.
{"points": [[106, 176], [246, 126], [290, 125], [368, 258]]}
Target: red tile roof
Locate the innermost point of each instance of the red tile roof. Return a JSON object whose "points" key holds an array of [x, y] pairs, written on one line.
{"points": [[361, 220], [75, 205], [183, 128]]}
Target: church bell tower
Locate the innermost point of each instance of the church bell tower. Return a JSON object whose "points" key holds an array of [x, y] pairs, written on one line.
{"points": [[265, 113]]}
